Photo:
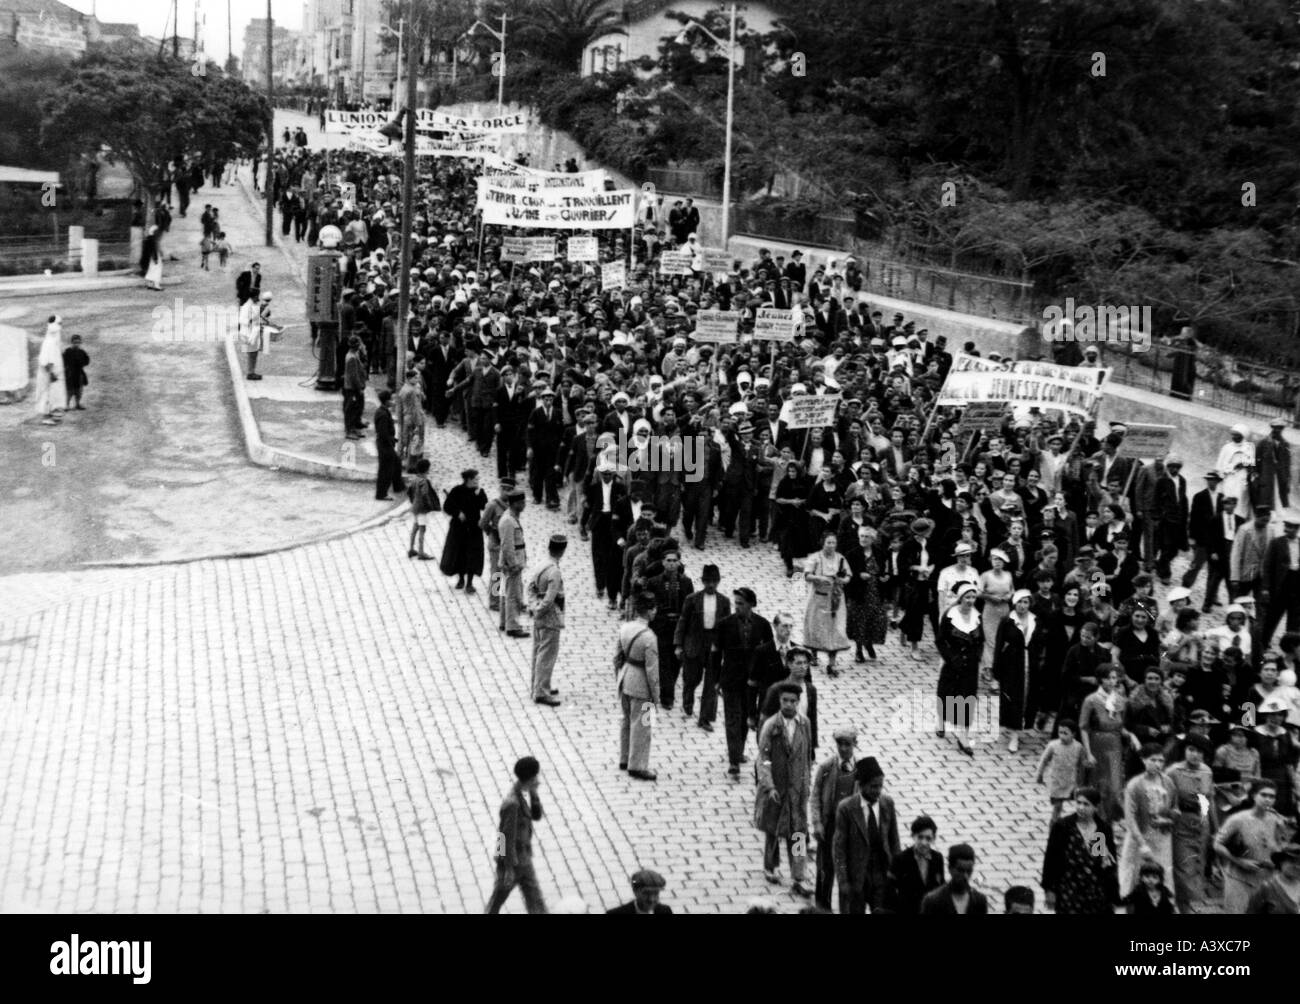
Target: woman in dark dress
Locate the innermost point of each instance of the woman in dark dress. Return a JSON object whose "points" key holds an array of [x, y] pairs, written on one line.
{"points": [[867, 622], [462, 555], [792, 501], [825, 505], [961, 644], [1017, 655], [1079, 869]]}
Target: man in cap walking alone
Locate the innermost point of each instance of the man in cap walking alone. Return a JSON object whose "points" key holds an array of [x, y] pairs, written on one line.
{"points": [[547, 607], [514, 851]]}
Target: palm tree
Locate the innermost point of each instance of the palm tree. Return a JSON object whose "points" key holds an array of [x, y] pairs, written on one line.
{"points": [[559, 30]]}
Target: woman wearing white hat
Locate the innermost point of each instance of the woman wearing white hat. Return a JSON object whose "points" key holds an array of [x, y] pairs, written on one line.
{"points": [[1017, 656], [51, 390], [996, 588], [960, 641], [1236, 459]]}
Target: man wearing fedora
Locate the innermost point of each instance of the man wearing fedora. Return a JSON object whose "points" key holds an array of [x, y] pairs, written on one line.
{"points": [[739, 636], [695, 642], [865, 841], [647, 885]]}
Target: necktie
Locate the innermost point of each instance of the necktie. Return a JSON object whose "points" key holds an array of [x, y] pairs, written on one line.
{"points": [[873, 827]]}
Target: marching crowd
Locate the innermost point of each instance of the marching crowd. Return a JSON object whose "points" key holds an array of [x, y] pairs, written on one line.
{"points": [[1039, 553]]}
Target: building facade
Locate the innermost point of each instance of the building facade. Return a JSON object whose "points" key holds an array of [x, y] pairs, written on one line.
{"points": [[47, 26]]}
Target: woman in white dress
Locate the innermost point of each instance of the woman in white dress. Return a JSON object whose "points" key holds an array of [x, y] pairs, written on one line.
{"points": [[1236, 458], [825, 616], [152, 258], [996, 589], [51, 391]]}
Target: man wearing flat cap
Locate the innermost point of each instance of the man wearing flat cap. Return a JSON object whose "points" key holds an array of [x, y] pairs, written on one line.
{"points": [[514, 841], [514, 559], [646, 888], [832, 784], [784, 781], [546, 602]]}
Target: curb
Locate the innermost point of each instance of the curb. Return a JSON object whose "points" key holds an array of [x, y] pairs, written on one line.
{"points": [[78, 284], [394, 513], [258, 452]]}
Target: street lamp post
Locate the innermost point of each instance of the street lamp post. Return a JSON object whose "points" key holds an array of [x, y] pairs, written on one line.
{"points": [[501, 81], [731, 116], [270, 133]]}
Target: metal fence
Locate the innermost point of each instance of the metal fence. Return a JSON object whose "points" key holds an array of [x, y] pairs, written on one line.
{"points": [[693, 181]]}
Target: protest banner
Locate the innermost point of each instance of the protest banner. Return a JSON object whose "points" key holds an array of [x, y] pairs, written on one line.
{"points": [[540, 248], [504, 174], [555, 209], [717, 326], [613, 275], [514, 249], [1085, 376], [1146, 442], [1019, 389], [675, 263], [811, 411], [982, 416], [337, 121], [717, 261], [774, 325], [583, 249]]}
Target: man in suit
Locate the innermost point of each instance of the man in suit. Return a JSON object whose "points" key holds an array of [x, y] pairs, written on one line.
{"points": [[248, 284], [784, 781], [916, 871], [1280, 578], [490, 523], [699, 489], [865, 842], [577, 459], [510, 409], [547, 607], [1171, 508], [797, 272], [1246, 559], [606, 518], [646, 887], [514, 851], [1111, 467], [695, 643], [390, 464], [545, 434], [481, 386], [1273, 468], [1202, 525], [833, 782], [670, 589], [957, 897], [770, 666], [440, 360], [739, 635]]}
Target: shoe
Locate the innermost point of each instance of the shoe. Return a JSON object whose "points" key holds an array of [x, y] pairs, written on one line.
{"points": [[80, 408], [734, 770], [255, 376], [666, 707], [802, 890], [832, 672], [573, 520], [48, 421], [613, 605], [642, 775], [425, 557], [550, 702], [517, 634], [459, 585], [1014, 745], [410, 554], [772, 876], [600, 594], [744, 759], [383, 498], [584, 535], [623, 766], [706, 726], [1039, 721], [687, 711], [470, 590], [554, 691], [965, 749], [355, 435]]}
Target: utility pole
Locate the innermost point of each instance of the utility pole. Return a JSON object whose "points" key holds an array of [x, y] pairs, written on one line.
{"points": [[501, 83], [176, 29], [270, 131], [731, 105], [408, 197]]}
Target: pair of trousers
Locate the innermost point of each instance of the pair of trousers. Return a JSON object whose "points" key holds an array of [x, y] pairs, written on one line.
{"points": [[543, 478], [1146, 528], [735, 722], [1288, 603], [795, 842], [512, 598], [546, 649], [480, 427], [668, 665], [389, 475], [1170, 543], [635, 731], [573, 503], [353, 405], [697, 507], [825, 883], [525, 877], [697, 670], [510, 451], [494, 576], [1215, 570], [872, 894]]}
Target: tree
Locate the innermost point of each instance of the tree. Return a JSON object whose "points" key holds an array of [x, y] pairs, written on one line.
{"points": [[558, 30], [149, 112], [25, 78]]}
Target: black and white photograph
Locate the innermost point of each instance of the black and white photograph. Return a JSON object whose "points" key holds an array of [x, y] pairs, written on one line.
{"points": [[475, 457]]}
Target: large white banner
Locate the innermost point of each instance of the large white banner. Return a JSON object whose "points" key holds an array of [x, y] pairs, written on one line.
{"points": [[555, 209], [1085, 376], [339, 121], [1021, 389], [508, 174], [474, 148]]}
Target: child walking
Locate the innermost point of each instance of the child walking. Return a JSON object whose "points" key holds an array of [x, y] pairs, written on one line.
{"points": [[223, 250], [1061, 766]]}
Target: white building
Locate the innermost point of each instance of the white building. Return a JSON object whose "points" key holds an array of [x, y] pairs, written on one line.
{"points": [[645, 26]]}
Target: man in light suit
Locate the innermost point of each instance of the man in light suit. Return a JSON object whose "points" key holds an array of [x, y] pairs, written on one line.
{"points": [[638, 688], [514, 850], [695, 641], [547, 606], [866, 841], [514, 559], [784, 781]]}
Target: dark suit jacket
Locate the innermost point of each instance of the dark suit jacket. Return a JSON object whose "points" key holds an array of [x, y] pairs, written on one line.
{"points": [[768, 667], [852, 852], [545, 433], [385, 433], [629, 910], [1170, 508], [1203, 520], [736, 656], [940, 902], [1277, 562], [906, 890], [690, 635], [511, 412]]}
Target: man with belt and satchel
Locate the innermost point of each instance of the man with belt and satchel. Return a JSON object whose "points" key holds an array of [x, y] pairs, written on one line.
{"points": [[636, 665], [547, 606], [514, 558]]}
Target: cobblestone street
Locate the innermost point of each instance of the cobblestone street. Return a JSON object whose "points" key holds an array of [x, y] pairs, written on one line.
{"points": [[332, 728]]}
